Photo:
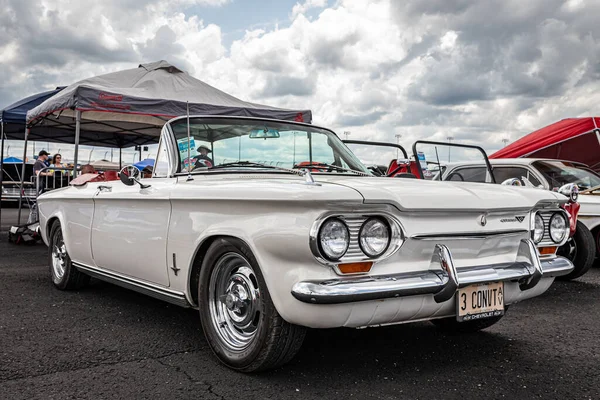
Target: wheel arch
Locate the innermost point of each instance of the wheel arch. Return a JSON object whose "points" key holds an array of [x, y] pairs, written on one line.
{"points": [[198, 259]]}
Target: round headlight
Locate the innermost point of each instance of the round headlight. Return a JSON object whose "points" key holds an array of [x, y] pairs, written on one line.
{"points": [[334, 239], [558, 227], [538, 229], [374, 237]]}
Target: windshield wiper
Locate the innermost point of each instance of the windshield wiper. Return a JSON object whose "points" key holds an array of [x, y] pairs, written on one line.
{"points": [[297, 171], [242, 164]]}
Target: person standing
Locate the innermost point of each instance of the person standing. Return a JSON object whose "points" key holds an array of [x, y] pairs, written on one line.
{"points": [[40, 164]]}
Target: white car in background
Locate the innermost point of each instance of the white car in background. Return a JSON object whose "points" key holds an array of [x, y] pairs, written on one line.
{"points": [[287, 230], [548, 174]]}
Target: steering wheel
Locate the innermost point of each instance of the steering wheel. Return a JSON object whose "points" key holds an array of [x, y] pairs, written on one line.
{"points": [[458, 175]]}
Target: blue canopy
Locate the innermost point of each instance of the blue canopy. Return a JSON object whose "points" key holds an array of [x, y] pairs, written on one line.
{"points": [[14, 116], [12, 160], [148, 162]]}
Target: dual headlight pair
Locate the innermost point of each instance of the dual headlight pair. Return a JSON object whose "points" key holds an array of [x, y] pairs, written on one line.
{"points": [[334, 238], [558, 227]]}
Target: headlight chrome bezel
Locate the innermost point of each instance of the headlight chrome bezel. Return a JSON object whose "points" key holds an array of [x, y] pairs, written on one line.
{"points": [[354, 221], [546, 214], [362, 240], [322, 250], [565, 230], [537, 217]]}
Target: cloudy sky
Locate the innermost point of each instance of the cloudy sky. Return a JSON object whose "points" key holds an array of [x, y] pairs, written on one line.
{"points": [[479, 71]]}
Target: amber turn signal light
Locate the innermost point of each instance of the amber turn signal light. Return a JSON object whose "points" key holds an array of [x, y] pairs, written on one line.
{"points": [[354, 268], [546, 251]]}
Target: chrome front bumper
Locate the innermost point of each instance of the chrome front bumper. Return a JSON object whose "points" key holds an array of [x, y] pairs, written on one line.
{"points": [[442, 283]]}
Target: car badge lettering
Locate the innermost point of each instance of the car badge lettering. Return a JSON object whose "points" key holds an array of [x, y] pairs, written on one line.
{"points": [[517, 218]]}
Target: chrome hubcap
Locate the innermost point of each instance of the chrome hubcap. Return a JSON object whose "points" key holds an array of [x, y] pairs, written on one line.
{"points": [[59, 259], [235, 302]]}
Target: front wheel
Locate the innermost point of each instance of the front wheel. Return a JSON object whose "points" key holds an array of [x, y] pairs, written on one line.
{"points": [[239, 320], [64, 275], [580, 250]]}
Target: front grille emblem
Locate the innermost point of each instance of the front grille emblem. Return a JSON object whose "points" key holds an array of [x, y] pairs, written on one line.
{"points": [[482, 220]]}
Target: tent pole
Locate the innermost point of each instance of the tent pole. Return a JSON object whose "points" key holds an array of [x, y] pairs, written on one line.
{"points": [[23, 176], [77, 129], [1, 167], [120, 158]]}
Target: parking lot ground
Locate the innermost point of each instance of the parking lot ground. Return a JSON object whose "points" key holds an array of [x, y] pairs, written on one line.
{"points": [[108, 342]]}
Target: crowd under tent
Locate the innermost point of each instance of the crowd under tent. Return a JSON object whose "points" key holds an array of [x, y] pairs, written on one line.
{"points": [[13, 120], [129, 108]]}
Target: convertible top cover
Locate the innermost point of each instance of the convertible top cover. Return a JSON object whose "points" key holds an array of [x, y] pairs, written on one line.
{"points": [[130, 107]]}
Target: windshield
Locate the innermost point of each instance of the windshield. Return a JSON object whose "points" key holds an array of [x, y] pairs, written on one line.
{"points": [[244, 143], [559, 173]]}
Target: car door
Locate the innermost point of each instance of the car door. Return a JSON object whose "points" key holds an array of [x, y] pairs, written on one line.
{"points": [[129, 229]]}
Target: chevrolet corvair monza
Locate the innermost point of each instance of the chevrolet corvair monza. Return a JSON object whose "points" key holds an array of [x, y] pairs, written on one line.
{"points": [[271, 227]]}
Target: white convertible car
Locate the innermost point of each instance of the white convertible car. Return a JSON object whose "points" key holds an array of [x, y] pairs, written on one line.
{"points": [[271, 227]]}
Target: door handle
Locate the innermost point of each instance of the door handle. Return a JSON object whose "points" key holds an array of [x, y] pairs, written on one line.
{"points": [[104, 188]]}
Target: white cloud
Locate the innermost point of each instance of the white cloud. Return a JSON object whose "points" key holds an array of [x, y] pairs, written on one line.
{"points": [[301, 8], [425, 70]]}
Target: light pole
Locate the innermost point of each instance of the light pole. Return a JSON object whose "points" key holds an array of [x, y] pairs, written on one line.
{"points": [[398, 136], [505, 141], [347, 133], [450, 139], [90, 157], [105, 153]]}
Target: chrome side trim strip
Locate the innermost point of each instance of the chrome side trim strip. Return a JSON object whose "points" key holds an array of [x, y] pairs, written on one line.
{"points": [[442, 282], [469, 235], [164, 294]]}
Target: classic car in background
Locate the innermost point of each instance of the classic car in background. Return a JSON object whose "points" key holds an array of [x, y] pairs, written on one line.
{"points": [[264, 250], [470, 164]]}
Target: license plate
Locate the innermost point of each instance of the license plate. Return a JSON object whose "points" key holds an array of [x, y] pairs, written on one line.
{"points": [[480, 301]]}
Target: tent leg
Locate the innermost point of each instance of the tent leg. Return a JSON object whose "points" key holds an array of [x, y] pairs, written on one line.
{"points": [[77, 130], [120, 158], [1, 168], [23, 176]]}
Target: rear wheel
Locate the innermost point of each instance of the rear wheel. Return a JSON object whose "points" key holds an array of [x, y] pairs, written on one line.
{"points": [[240, 322], [580, 250], [452, 326], [64, 275]]}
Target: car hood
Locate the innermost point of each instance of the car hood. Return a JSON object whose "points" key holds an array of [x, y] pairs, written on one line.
{"points": [[417, 194]]}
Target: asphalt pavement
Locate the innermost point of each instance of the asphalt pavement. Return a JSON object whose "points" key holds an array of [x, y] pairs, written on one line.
{"points": [[105, 342]]}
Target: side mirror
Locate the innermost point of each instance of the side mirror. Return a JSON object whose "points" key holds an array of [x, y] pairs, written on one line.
{"points": [[130, 175], [570, 190]]}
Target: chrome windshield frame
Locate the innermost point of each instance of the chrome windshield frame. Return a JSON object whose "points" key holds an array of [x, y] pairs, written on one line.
{"points": [[174, 158]]}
